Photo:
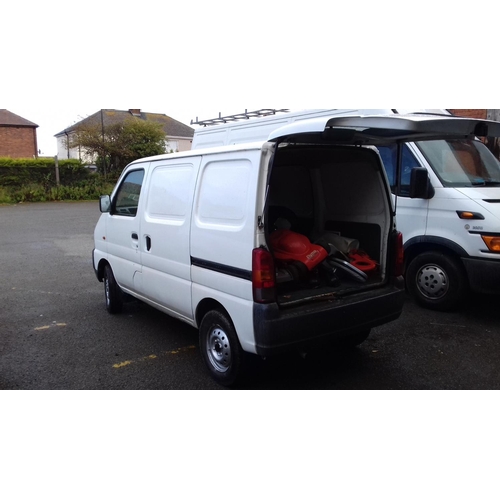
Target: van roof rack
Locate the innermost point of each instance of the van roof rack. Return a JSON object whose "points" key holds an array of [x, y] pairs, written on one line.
{"points": [[240, 116]]}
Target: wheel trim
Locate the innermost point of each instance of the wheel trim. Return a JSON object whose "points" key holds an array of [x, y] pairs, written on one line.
{"points": [[219, 350], [432, 281]]}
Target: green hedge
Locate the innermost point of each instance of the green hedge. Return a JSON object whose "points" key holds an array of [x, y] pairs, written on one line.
{"points": [[34, 180], [22, 172], [89, 189]]}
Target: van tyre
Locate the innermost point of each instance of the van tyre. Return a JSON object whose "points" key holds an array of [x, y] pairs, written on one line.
{"points": [[112, 292], [436, 281], [220, 348]]}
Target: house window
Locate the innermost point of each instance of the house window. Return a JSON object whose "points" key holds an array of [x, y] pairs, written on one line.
{"points": [[172, 146]]}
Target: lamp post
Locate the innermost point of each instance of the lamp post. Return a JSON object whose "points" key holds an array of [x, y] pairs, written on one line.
{"points": [[103, 147]]}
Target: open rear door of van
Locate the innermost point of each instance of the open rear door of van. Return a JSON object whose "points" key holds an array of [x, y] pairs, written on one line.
{"points": [[381, 129]]}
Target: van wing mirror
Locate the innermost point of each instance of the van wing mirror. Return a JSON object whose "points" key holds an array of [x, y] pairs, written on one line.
{"points": [[105, 203], [420, 184]]}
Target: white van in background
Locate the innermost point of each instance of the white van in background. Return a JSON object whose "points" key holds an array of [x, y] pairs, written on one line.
{"points": [[257, 125], [452, 235]]}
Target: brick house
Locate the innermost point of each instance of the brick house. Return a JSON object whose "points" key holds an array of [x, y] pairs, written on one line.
{"points": [[471, 113], [483, 114], [179, 136], [17, 136]]}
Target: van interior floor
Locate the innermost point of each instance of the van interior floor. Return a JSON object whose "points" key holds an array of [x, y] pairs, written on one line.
{"points": [[294, 293]]}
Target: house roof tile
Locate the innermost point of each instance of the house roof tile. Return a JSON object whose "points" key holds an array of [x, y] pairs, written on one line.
{"points": [[171, 127], [10, 119]]}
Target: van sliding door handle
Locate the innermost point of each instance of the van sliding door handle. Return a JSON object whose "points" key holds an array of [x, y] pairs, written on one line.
{"points": [[135, 241]]}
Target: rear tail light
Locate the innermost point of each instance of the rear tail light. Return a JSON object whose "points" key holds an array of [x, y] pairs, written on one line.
{"points": [[397, 239], [263, 276]]}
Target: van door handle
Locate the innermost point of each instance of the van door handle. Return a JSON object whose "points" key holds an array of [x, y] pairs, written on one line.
{"points": [[135, 241], [148, 243]]}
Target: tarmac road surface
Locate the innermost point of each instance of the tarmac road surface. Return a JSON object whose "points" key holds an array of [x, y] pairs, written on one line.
{"points": [[56, 334]]}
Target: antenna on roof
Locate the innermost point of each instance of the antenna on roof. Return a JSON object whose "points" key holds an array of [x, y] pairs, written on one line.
{"points": [[240, 116]]}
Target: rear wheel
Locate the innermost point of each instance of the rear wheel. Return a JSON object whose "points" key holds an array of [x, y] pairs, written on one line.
{"points": [[112, 292], [436, 280], [220, 348]]}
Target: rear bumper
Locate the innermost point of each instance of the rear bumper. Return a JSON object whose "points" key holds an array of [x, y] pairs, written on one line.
{"points": [[277, 330], [483, 274]]}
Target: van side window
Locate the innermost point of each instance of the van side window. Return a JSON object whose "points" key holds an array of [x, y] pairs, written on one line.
{"points": [[126, 200], [389, 155]]}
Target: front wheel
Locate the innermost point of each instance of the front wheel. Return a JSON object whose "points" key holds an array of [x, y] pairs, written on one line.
{"points": [[220, 348], [436, 280], [112, 292]]}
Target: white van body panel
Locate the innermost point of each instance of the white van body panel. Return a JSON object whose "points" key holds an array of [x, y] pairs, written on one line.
{"points": [[445, 223], [234, 294], [166, 218], [481, 194], [223, 232], [224, 211], [123, 250]]}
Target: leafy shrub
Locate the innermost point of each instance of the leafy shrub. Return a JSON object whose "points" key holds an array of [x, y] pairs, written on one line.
{"points": [[34, 180], [21, 172], [84, 190], [5, 196]]}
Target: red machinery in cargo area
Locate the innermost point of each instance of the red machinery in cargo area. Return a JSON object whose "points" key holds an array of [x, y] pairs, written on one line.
{"points": [[298, 257]]}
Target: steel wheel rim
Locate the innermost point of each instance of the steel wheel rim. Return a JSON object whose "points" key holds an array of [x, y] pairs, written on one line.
{"points": [[432, 281], [219, 349]]}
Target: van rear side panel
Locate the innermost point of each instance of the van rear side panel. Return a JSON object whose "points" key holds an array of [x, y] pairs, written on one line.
{"points": [[224, 214], [223, 235]]}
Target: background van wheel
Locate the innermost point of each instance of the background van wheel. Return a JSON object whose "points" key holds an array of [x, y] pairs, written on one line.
{"points": [[112, 292], [220, 348], [436, 280]]}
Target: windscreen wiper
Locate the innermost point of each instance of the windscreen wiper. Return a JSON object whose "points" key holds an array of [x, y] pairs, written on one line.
{"points": [[485, 182]]}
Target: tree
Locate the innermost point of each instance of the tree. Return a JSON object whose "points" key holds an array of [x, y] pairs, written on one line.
{"points": [[114, 146]]}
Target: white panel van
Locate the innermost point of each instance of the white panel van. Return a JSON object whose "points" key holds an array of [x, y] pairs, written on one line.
{"points": [[265, 247], [451, 235]]}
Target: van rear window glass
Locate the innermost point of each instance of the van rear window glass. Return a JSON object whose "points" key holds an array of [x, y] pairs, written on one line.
{"points": [[169, 192], [223, 194]]}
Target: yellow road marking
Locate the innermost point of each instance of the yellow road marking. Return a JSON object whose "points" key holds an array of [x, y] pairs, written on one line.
{"points": [[46, 327], [122, 364], [153, 356]]}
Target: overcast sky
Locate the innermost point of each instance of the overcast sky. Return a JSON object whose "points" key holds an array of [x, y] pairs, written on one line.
{"points": [[62, 61]]}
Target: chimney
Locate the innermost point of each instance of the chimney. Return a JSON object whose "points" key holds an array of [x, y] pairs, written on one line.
{"points": [[135, 112]]}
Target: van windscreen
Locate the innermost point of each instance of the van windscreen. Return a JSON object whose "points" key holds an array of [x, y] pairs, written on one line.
{"points": [[460, 163]]}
